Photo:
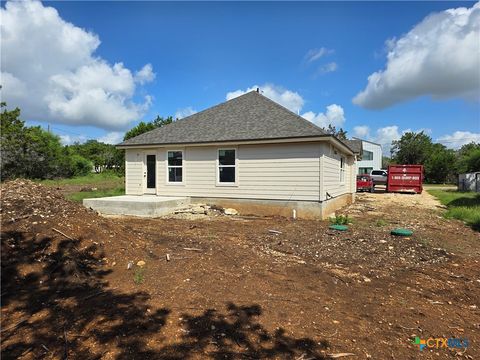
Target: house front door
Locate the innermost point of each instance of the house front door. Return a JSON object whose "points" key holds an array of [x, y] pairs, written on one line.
{"points": [[150, 173]]}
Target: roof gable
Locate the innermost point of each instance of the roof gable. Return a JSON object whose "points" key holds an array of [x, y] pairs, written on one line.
{"points": [[251, 116]]}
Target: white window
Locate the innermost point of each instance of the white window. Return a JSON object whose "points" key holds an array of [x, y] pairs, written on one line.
{"points": [[227, 166], [367, 155], [175, 166], [342, 169]]}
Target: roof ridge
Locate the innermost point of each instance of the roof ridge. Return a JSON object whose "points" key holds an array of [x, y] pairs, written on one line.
{"points": [[248, 116], [290, 111], [197, 113]]}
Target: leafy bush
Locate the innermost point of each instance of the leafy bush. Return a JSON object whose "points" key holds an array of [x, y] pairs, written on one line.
{"points": [[138, 276], [80, 166], [340, 220]]}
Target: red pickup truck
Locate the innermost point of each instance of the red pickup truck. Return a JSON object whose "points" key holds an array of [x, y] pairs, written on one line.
{"points": [[365, 183]]}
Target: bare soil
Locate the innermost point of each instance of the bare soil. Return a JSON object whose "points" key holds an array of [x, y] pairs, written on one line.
{"points": [[231, 288]]}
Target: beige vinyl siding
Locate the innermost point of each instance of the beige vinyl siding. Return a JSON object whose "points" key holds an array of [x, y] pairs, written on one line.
{"points": [[134, 172], [274, 171], [352, 174], [331, 173]]}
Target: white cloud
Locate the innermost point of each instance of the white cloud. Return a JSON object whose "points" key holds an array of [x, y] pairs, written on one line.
{"points": [[69, 139], [289, 99], [113, 137], [50, 70], [334, 115], [385, 135], [315, 54], [459, 138], [362, 132], [327, 68], [439, 57], [181, 113], [145, 74]]}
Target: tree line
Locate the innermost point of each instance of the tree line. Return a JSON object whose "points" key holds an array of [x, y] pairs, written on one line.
{"points": [[31, 152], [441, 164], [34, 153]]}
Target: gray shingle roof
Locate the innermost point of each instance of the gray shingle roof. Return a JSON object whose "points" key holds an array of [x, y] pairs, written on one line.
{"points": [[251, 116], [354, 145]]}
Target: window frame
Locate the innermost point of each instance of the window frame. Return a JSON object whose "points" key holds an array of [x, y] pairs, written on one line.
{"points": [[368, 168], [217, 178], [167, 167], [370, 153], [342, 169]]}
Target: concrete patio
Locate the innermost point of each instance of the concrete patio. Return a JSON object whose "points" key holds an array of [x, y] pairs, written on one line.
{"points": [[145, 205]]}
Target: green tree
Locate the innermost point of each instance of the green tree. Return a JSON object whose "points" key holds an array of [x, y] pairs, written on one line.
{"points": [[143, 127], [103, 156], [32, 152], [439, 167], [42, 154], [473, 161], [412, 148], [12, 141], [332, 130], [467, 158], [386, 161]]}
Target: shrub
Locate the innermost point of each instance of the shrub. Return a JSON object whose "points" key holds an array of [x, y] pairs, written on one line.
{"points": [[340, 220]]}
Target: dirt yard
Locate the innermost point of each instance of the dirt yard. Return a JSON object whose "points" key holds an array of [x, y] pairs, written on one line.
{"points": [[229, 288]]}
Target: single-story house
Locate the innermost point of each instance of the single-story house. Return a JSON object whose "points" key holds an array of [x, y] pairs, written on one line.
{"points": [[249, 153]]}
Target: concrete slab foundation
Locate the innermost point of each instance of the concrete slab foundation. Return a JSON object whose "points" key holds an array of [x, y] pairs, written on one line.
{"points": [[154, 206], [145, 205], [303, 209]]}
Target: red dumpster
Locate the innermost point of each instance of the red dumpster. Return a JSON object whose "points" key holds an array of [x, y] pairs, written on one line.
{"points": [[405, 178]]}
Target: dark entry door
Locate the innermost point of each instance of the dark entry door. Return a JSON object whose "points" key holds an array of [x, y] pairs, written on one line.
{"points": [[151, 175]]}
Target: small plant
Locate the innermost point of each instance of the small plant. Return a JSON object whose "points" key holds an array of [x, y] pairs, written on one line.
{"points": [[138, 276], [381, 222], [340, 220]]}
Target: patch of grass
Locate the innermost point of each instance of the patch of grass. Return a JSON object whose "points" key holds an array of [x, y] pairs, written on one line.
{"points": [[381, 222], [90, 179], [79, 196], [340, 220], [139, 276], [439, 185], [463, 206]]}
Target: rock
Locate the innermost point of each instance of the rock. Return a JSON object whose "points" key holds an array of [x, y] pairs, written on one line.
{"points": [[141, 263], [198, 210], [230, 211], [129, 265]]}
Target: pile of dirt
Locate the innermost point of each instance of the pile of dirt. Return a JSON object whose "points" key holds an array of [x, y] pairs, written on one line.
{"points": [[34, 215], [25, 199], [31, 207]]}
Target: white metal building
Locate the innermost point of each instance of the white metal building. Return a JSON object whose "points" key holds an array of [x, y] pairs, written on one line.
{"points": [[371, 157], [469, 181]]}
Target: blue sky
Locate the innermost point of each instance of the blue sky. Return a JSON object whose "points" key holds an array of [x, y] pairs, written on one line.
{"points": [[313, 57]]}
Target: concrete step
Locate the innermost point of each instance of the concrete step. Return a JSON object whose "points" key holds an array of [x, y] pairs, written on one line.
{"points": [[145, 206]]}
